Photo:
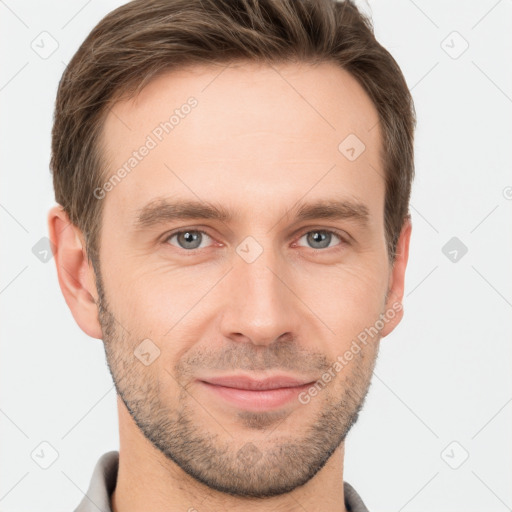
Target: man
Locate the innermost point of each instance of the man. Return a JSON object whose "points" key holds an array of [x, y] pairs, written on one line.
{"points": [[233, 182]]}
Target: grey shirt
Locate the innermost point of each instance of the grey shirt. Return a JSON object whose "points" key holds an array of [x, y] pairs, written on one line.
{"points": [[104, 479]]}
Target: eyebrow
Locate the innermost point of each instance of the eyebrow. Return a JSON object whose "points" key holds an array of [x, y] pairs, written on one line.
{"points": [[160, 211]]}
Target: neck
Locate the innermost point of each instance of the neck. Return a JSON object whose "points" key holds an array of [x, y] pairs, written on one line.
{"points": [[147, 480]]}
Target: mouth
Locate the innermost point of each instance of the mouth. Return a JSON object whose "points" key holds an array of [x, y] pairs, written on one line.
{"points": [[256, 394]]}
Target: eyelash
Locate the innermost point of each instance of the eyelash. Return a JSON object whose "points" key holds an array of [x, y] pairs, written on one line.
{"points": [[343, 239]]}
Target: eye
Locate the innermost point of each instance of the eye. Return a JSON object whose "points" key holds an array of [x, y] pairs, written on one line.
{"points": [[322, 238], [188, 239], [193, 239]]}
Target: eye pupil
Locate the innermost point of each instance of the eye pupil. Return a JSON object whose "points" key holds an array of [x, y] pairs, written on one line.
{"points": [[189, 237], [321, 237]]}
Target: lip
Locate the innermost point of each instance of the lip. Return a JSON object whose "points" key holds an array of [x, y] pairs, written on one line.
{"points": [[256, 394], [263, 384]]}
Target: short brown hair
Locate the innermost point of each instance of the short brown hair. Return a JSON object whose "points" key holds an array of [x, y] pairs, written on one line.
{"points": [[141, 39]]}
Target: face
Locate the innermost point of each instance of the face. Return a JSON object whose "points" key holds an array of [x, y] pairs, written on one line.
{"points": [[245, 243]]}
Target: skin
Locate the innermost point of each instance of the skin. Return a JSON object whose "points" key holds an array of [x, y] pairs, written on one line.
{"points": [[260, 139]]}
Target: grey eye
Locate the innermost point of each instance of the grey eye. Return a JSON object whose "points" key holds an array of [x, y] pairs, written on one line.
{"points": [[320, 239], [190, 239]]}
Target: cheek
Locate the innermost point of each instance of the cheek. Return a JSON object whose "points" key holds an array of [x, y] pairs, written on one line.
{"points": [[157, 302], [347, 301]]}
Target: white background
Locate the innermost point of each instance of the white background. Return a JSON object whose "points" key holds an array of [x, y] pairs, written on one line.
{"points": [[443, 375]]}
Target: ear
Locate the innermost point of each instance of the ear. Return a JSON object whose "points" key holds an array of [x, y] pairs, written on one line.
{"points": [[397, 279], [76, 275]]}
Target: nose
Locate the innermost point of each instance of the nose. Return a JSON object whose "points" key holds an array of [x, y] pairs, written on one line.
{"points": [[260, 305]]}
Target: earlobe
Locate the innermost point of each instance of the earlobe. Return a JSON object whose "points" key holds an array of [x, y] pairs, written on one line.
{"points": [[394, 308], [75, 273]]}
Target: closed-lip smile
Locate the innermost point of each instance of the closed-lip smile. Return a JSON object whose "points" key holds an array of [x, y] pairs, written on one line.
{"points": [[256, 394]]}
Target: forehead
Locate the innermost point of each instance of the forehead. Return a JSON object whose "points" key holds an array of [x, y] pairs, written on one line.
{"points": [[255, 136]]}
